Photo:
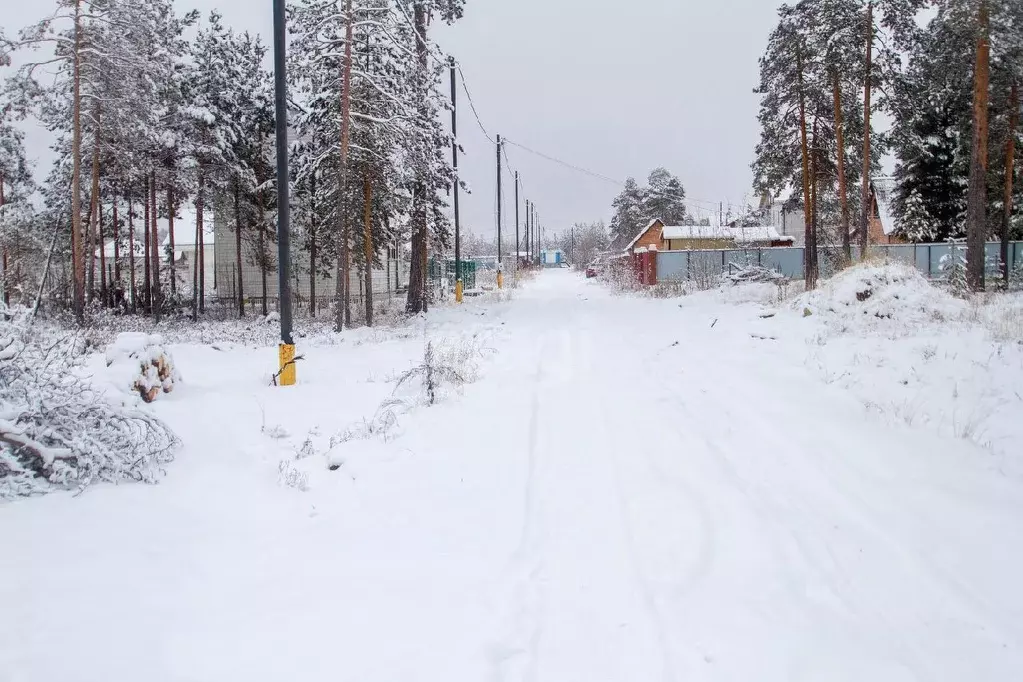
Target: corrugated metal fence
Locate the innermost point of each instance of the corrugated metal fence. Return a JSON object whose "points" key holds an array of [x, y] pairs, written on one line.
{"points": [[928, 258]]}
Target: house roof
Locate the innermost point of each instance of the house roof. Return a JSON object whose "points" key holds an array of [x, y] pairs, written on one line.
{"points": [[884, 193], [642, 232], [184, 228], [695, 232], [758, 233]]}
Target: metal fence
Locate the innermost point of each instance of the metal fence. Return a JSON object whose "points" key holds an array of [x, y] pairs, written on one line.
{"points": [[788, 260]]}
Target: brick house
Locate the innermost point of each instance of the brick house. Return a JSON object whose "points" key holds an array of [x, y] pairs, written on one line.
{"points": [[647, 237], [881, 226]]}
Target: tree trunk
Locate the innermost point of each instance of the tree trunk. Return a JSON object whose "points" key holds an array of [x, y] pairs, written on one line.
{"points": [[261, 245], [238, 246], [147, 275], [195, 257], [346, 261], [117, 245], [1010, 170], [131, 251], [155, 250], [865, 183], [312, 244], [814, 193], [843, 196], [417, 294], [94, 207], [367, 241], [77, 260], [170, 233], [976, 202], [200, 245], [102, 252], [5, 280], [807, 204], [346, 111]]}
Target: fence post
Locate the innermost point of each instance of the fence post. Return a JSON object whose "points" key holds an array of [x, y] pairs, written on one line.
{"points": [[930, 261]]}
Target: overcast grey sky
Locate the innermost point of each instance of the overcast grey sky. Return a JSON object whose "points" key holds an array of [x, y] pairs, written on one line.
{"points": [[616, 87]]}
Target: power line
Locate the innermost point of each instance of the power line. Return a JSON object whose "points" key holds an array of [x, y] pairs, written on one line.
{"points": [[472, 105], [605, 178]]}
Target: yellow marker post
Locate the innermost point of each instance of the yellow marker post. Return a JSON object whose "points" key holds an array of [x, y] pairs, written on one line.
{"points": [[458, 291], [287, 356], [500, 280]]}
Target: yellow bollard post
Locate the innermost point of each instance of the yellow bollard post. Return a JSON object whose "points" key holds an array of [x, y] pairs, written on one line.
{"points": [[500, 280], [458, 291], [287, 357]]}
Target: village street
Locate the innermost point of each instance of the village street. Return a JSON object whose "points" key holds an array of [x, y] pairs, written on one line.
{"points": [[633, 489]]}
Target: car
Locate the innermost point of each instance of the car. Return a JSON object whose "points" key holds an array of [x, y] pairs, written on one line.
{"points": [[594, 268]]}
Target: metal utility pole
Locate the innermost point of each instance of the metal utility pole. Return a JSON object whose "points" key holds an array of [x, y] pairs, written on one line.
{"points": [[454, 163], [517, 221], [500, 275], [287, 346]]}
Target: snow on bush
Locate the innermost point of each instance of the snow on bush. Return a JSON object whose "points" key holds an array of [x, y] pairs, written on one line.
{"points": [[445, 366], [140, 364], [57, 431], [880, 294]]}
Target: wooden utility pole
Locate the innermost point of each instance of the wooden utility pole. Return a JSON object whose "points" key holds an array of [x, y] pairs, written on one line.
{"points": [[517, 247], [865, 180], [346, 128], [976, 202], [843, 197], [77, 260], [1010, 170], [498, 203], [807, 202], [454, 165]]}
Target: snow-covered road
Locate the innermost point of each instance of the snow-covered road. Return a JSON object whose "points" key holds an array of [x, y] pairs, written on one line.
{"points": [[635, 490]]}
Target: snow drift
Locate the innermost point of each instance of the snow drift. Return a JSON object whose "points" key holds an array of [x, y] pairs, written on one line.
{"points": [[57, 431], [888, 295]]}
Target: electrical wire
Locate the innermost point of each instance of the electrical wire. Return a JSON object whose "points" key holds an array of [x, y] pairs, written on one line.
{"points": [[472, 105]]}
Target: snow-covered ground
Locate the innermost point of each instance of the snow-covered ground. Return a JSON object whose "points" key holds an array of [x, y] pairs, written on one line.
{"points": [[715, 487]]}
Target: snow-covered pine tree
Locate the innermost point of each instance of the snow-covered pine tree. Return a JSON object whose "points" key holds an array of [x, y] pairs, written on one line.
{"points": [[793, 87], [213, 137], [932, 132], [664, 198], [629, 214], [426, 155], [20, 243]]}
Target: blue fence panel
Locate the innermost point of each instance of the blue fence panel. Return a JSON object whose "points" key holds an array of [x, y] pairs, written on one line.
{"points": [[676, 265], [672, 265], [786, 260]]}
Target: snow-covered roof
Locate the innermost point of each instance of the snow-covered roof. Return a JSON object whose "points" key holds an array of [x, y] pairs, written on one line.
{"points": [[884, 192], [758, 234], [641, 233], [123, 251], [184, 228], [695, 232]]}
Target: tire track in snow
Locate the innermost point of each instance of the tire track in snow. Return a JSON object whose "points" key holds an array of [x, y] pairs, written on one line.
{"points": [[514, 657]]}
